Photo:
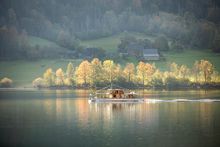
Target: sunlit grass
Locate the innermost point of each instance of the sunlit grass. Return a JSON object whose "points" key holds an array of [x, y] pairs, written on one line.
{"points": [[188, 57], [23, 72], [41, 42]]}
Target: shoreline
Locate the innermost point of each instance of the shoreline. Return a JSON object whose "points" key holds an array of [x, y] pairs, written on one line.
{"points": [[164, 88]]}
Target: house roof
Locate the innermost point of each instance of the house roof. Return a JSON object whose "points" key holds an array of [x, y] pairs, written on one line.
{"points": [[151, 52]]}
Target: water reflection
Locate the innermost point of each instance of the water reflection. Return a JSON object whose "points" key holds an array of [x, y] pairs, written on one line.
{"points": [[66, 110], [68, 115]]}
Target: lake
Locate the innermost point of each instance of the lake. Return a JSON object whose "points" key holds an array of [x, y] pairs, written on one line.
{"points": [[56, 118]]}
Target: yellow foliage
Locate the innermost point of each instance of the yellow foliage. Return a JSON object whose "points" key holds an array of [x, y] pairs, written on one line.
{"points": [[111, 70], [129, 72], [59, 77], [39, 83], [96, 70], [59, 73], [49, 77], [70, 70], [207, 69], [6, 82], [83, 72], [145, 71], [68, 82]]}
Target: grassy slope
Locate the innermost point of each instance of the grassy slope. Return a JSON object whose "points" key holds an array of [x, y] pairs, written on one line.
{"points": [[42, 42], [23, 72], [46, 45], [188, 57], [110, 43]]}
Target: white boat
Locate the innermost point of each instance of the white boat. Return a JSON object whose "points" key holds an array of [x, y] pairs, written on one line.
{"points": [[107, 100]]}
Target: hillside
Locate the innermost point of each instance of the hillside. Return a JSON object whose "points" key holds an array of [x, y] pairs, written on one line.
{"points": [[33, 40], [190, 23], [110, 44], [23, 72]]}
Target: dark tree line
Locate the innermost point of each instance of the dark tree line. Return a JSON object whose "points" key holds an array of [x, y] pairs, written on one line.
{"points": [[63, 21], [46, 17]]}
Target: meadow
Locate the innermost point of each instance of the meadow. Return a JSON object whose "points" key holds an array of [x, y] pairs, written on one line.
{"points": [[22, 72], [110, 44]]}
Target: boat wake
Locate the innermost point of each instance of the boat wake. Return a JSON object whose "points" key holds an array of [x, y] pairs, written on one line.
{"points": [[152, 100], [181, 100]]}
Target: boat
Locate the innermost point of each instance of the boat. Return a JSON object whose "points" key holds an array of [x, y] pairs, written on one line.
{"points": [[115, 95]]}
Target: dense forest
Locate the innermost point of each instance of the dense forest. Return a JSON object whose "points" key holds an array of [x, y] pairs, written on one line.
{"points": [[190, 23]]}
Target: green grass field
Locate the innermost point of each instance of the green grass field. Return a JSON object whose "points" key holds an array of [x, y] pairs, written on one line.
{"points": [[23, 72], [41, 42], [110, 44], [188, 57]]}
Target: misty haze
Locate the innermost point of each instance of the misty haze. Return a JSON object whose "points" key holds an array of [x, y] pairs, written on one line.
{"points": [[109, 73]]}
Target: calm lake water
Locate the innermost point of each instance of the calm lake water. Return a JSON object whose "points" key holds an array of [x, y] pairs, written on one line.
{"points": [[65, 118]]}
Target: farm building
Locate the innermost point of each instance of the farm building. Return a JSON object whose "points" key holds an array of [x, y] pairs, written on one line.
{"points": [[151, 54]]}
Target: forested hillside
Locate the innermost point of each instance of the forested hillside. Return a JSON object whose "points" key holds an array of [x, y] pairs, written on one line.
{"points": [[191, 23]]}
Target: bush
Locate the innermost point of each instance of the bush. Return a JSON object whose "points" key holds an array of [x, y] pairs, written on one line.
{"points": [[6, 82], [39, 83]]}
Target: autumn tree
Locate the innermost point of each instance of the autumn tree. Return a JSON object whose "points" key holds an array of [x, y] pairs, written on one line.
{"points": [[111, 71], [174, 69], [150, 69], [83, 73], [39, 83], [6, 82], [117, 72], [69, 75], [215, 77], [141, 71], [183, 71], [129, 72], [70, 70], [96, 71], [157, 79], [49, 77], [207, 69], [108, 67], [59, 77]]}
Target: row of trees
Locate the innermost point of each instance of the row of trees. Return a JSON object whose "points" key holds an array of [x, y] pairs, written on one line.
{"points": [[97, 73]]}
